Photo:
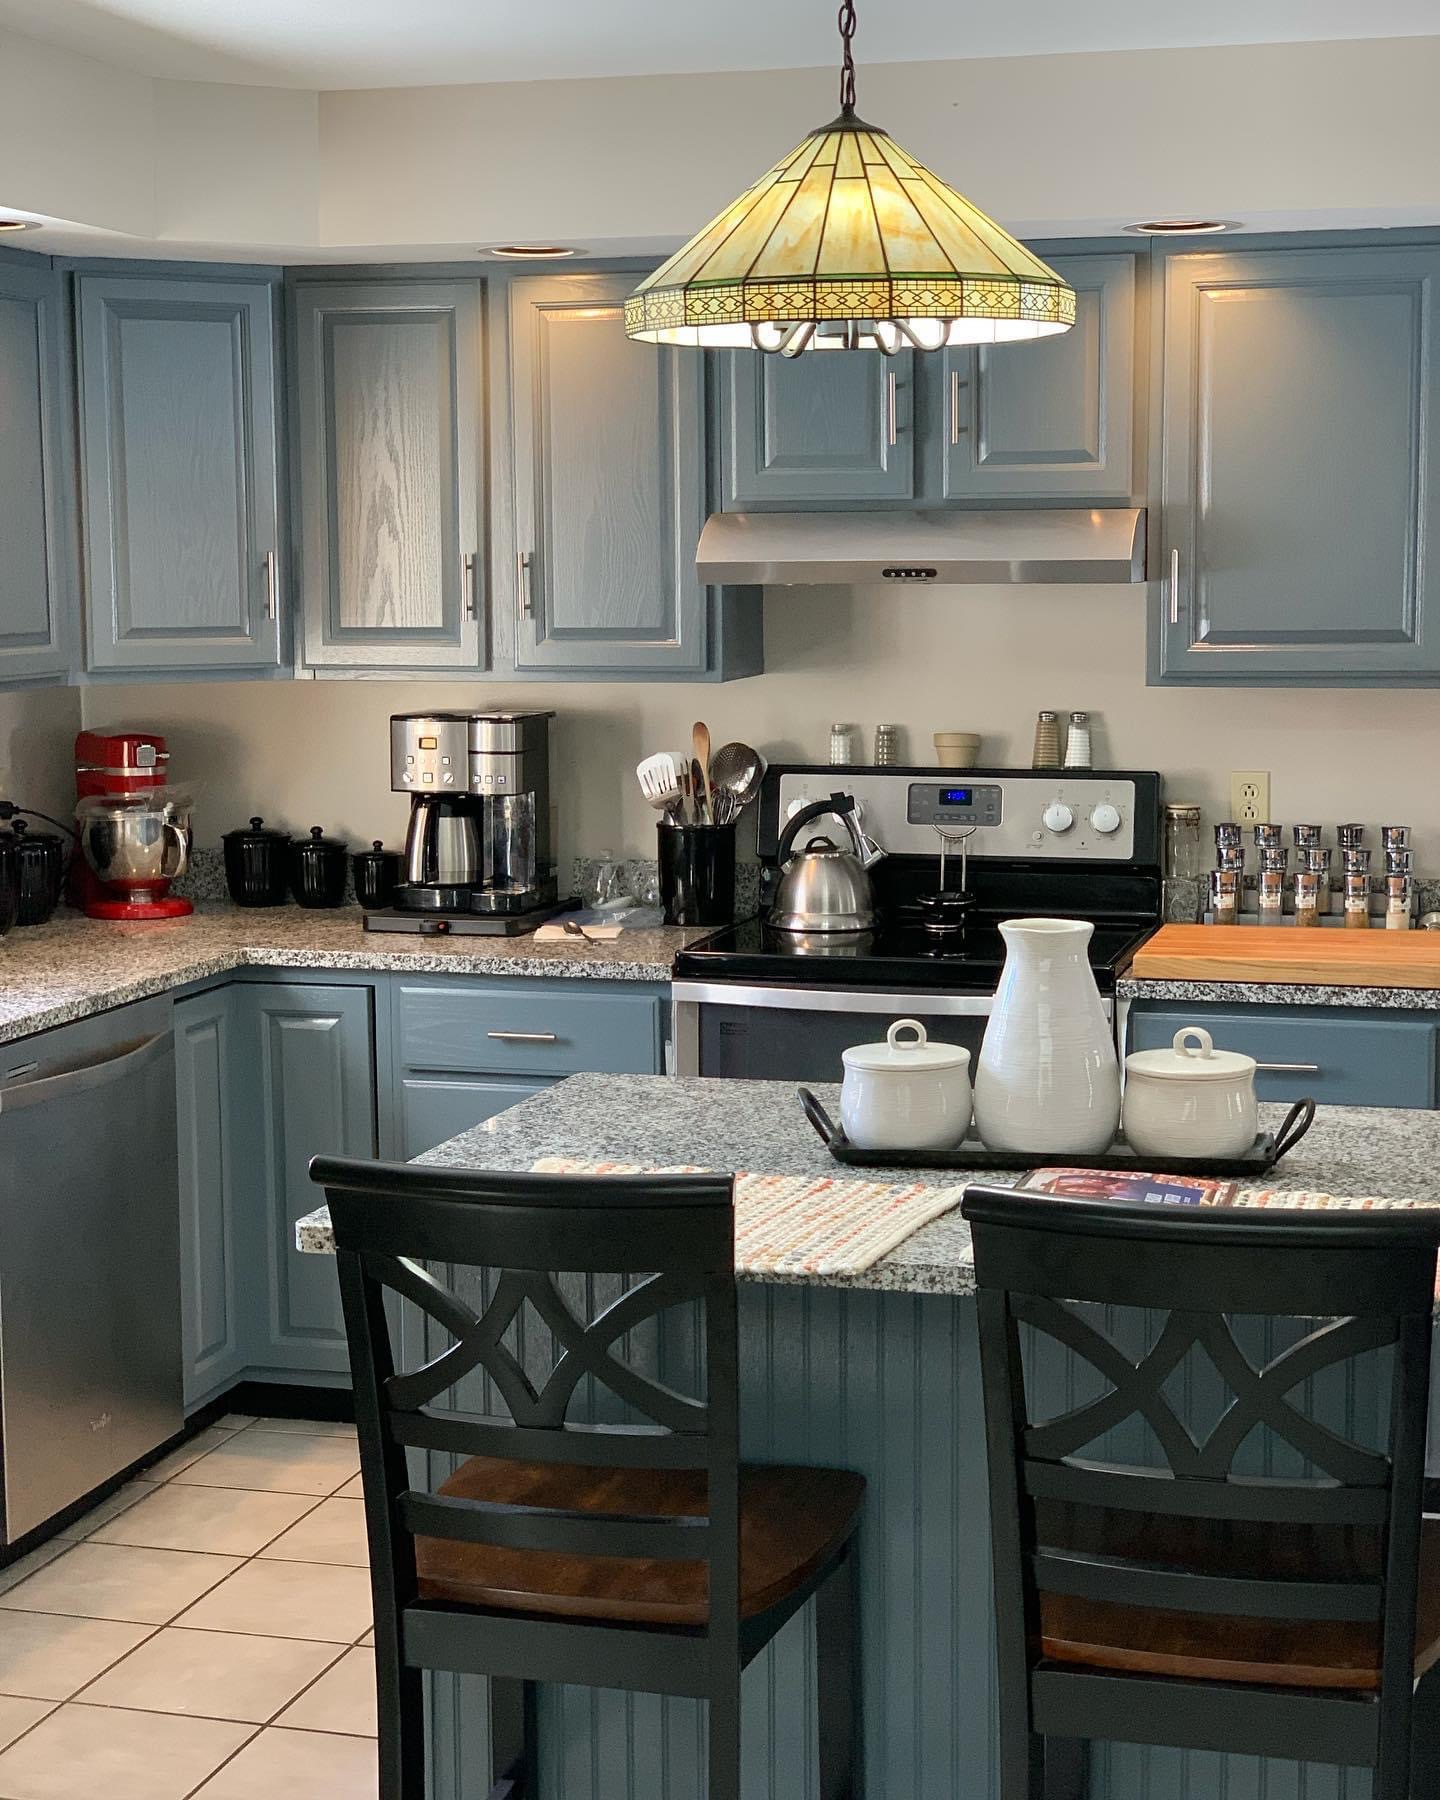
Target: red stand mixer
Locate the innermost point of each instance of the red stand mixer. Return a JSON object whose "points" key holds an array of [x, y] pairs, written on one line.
{"points": [[134, 828]]}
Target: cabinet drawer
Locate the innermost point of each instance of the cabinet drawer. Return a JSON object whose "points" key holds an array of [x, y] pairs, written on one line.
{"points": [[1346, 1058], [522, 1030], [435, 1108]]}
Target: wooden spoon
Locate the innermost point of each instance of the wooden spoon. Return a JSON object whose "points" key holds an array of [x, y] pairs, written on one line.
{"points": [[700, 739]]}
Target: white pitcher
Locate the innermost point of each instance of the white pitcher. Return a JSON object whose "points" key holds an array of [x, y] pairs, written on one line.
{"points": [[1048, 1078]]}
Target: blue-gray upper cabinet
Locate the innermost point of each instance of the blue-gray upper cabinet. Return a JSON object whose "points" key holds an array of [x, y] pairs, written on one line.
{"points": [[825, 427], [390, 407], [34, 562], [609, 493], [1301, 481], [179, 473], [310, 1052], [1053, 419], [215, 1296]]}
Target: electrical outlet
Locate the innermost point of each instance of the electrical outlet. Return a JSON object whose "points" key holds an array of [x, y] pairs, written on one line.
{"points": [[1250, 797]]}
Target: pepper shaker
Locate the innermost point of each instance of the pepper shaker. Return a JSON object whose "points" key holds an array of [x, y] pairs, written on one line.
{"points": [[887, 746], [1046, 754]]}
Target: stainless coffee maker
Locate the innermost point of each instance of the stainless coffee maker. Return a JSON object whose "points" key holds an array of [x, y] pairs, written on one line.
{"points": [[478, 855]]}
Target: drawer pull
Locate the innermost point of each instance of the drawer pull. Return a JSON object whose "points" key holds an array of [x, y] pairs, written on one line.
{"points": [[523, 1037], [1287, 1068]]}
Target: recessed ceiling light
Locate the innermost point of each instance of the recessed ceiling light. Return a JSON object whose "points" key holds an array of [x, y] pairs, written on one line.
{"points": [[1183, 227], [531, 252], [18, 224]]}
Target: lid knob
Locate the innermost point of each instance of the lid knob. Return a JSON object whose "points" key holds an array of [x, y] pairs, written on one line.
{"points": [[317, 832], [915, 1042], [1197, 1034], [377, 844], [256, 822]]}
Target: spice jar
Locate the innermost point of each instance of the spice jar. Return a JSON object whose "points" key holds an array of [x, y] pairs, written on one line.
{"points": [[1357, 898], [1225, 885], [1314, 861], [1349, 837], [1270, 894], [1182, 841], [1399, 900], [1307, 897]]}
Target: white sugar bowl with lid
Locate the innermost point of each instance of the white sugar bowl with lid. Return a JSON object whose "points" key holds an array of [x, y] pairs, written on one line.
{"points": [[907, 1093], [1190, 1100]]}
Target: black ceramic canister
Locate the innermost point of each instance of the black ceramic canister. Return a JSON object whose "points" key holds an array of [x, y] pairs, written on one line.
{"points": [[377, 875], [318, 866], [9, 882], [257, 864], [40, 858]]}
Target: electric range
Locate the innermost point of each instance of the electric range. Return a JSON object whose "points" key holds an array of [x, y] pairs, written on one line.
{"points": [[753, 1001]]}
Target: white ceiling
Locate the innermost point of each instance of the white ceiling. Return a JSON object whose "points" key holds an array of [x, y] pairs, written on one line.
{"points": [[392, 43]]}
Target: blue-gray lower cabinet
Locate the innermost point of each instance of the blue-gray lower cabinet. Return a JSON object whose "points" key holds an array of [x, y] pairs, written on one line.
{"points": [[214, 1290], [1300, 495], [434, 1108], [35, 563], [310, 1053], [179, 473], [1341, 1056]]}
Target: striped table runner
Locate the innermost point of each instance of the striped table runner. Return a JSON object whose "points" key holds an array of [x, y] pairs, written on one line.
{"points": [[804, 1224]]}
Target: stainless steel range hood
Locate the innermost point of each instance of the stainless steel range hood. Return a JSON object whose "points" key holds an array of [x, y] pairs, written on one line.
{"points": [[918, 549]]}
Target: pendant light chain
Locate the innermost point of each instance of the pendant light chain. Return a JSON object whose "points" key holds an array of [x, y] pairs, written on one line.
{"points": [[847, 65]]}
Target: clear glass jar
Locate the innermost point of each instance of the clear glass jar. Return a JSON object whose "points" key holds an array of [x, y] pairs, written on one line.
{"points": [[1182, 842]]}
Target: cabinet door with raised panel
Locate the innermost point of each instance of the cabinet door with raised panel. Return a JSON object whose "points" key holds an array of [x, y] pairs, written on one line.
{"points": [[1052, 419], [608, 439], [827, 427], [310, 1050], [1301, 487], [390, 406], [34, 563], [179, 485]]}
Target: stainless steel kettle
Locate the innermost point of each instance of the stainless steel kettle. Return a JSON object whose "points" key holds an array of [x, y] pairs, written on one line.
{"points": [[824, 887]]}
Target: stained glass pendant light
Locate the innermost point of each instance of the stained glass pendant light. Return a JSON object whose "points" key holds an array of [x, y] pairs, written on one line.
{"points": [[848, 243]]}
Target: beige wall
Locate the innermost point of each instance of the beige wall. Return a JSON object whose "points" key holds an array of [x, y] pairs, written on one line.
{"points": [[968, 659], [37, 744]]}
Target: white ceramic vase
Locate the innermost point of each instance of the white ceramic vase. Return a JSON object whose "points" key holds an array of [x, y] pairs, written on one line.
{"points": [[1048, 1078]]}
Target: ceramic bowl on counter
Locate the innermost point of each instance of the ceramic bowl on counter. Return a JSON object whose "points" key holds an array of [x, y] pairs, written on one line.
{"points": [[1190, 1100], [907, 1093]]}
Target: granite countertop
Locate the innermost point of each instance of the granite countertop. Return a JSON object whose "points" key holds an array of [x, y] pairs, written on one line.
{"points": [[757, 1125], [1277, 993], [74, 966]]}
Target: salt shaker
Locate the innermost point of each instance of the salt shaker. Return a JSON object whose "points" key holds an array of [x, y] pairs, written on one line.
{"points": [[1077, 741], [842, 745], [1046, 754]]}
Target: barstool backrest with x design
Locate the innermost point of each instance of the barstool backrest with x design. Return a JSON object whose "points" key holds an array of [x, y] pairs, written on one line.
{"points": [[1087, 1541]]}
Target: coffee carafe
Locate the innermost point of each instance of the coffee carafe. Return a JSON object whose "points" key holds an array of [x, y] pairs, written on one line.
{"points": [[478, 840]]}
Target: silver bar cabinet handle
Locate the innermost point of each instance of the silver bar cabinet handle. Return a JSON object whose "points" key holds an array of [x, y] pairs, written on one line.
{"points": [[1287, 1068], [523, 561], [467, 585], [956, 428], [523, 1037], [272, 585], [892, 422], [1175, 585]]}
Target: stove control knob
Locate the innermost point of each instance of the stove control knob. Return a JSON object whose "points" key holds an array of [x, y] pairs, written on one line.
{"points": [[1105, 818], [1058, 817]]}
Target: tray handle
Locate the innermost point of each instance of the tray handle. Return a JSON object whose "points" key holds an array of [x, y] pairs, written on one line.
{"points": [[1293, 1126], [825, 1126]]}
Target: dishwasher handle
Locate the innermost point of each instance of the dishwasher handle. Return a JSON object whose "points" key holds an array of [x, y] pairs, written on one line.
{"points": [[85, 1073]]}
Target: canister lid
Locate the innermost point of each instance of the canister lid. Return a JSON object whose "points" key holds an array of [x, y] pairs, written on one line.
{"points": [[906, 1046], [256, 830], [317, 840], [1191, 1057]]}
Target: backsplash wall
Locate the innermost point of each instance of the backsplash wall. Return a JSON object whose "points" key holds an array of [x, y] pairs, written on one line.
{"points": [[977, 659]]}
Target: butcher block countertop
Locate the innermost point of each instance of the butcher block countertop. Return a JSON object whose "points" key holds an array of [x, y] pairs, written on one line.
{"points": [[1282, 963]]}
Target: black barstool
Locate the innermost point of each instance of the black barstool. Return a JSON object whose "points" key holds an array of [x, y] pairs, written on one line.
{"points": [[630, 1551], [1180, 1603]]}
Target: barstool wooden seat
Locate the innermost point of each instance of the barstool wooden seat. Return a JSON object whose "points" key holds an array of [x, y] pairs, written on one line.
{"points": [[1178, 1602], [632, 1550]]}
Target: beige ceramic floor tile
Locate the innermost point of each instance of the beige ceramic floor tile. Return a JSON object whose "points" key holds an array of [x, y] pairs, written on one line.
{"points": [[369, 1637], [343, 1699], [43, 1657], [234, 1421], [97, 1750], [19, 1715], [307, 1427], [286, 1599], [227, 1521], [187, 1453], [14, 1573], [333, 1533], [116, 1581], [212, 1675], [312, 1764], [352, 1490], [118, 1502], [276, 1462]]}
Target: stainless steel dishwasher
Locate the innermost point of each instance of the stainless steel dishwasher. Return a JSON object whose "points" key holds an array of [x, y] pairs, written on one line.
{"points": [[90, 1346]]}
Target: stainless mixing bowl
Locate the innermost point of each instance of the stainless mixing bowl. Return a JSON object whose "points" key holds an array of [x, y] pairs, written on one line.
{"points": [[135, 845]]}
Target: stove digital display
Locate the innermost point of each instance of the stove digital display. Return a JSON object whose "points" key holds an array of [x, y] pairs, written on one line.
{"points": [[957, 796]]}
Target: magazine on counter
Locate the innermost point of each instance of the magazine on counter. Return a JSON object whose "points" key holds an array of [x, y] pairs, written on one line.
{"points": [[1122, 1184]]}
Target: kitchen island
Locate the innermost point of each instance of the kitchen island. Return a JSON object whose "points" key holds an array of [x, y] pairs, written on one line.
{"points": [[879, 1373]]}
